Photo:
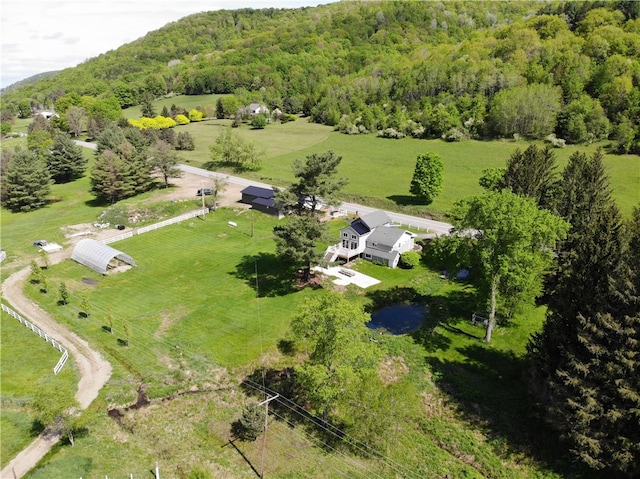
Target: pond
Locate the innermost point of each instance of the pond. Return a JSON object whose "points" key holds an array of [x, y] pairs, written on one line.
{"points": [[398, 318]]}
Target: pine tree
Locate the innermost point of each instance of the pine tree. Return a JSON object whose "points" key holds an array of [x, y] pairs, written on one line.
{"points": [[27, 182], [585, 359], [111, 178], [531, 173], [65, 159]]}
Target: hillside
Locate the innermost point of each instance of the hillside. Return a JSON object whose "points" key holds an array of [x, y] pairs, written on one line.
{"points": [[427, 69]]}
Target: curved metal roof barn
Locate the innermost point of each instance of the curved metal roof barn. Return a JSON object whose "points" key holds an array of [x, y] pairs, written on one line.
{"points": [[97, 256]]}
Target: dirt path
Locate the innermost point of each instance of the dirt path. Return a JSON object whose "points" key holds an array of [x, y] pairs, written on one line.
{"points": [[94, 371]]}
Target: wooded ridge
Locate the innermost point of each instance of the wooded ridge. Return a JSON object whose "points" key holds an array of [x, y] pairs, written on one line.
{"points": [[427, 69]]}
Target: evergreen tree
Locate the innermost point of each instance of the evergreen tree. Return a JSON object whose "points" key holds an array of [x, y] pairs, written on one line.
{"points": [[531, 173], [147, 109], [65, 159], [111, 178], [585, 359], [27, 182]]}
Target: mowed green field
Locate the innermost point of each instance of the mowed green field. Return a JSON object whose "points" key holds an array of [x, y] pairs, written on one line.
{"points": [[25, 352], [380, 170], [194, 289]]}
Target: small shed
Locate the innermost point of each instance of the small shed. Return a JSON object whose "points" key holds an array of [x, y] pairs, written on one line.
{"points": [[261, 199], [98, 256]]}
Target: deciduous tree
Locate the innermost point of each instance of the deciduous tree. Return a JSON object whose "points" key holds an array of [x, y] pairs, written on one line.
{"points": [[76, 119], [231, 150], [165, 161], [428, 177], [512, 248], [340, 354]]}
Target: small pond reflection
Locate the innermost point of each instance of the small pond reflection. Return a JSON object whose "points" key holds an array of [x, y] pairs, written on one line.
{"points": [[398, 318]]}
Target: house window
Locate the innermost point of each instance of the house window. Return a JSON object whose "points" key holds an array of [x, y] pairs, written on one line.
{"points": [[354, 245], [354, 237], [345, 243], [374, 244], [345, 235], [367, 256]]}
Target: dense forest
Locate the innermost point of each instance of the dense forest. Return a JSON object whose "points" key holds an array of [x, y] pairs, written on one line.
{"points": [[429, 69]]}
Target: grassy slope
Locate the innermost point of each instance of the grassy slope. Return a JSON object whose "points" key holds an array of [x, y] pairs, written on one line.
{"points": [[380, 170], [24, 351], [194, 288]]}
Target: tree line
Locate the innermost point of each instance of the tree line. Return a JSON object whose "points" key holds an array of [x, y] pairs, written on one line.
{"points": [[454, 70], [128, 161], [536, 235]]}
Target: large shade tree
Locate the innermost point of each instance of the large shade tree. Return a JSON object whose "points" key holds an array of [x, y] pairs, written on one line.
{"points": [[512, 248], [428, 177], [333, 332]]}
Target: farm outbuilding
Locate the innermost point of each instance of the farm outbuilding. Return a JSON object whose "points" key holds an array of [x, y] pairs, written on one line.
{"points": [[98, 256]]}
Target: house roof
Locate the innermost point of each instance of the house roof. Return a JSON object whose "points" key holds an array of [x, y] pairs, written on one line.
{"points": [[258, 192], [359, 227], [375, 219], [265, 202], [385, 235]]}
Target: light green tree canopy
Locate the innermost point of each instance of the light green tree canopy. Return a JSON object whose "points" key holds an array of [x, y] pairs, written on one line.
{"points": [[334, 333], [428, 177], [513, 247]]}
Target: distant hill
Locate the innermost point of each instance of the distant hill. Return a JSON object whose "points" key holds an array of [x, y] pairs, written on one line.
{"points": [[428, 69], [28, 81]]}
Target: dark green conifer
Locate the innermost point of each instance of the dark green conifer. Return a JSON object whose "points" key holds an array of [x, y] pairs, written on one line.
{"points": [[585, 360]]}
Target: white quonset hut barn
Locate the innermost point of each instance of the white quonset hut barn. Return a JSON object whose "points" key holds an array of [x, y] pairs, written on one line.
{"points": [[98, 256]]}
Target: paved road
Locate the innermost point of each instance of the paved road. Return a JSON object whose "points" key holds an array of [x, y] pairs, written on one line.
{"points": [[438, 227], [412, 222]]}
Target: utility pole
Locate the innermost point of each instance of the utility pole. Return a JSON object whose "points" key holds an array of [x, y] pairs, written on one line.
{"points": [[202, 194], [264, 436]]}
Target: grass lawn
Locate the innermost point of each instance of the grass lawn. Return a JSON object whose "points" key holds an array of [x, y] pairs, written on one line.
{"points": [[25, 360], [194, 289]]}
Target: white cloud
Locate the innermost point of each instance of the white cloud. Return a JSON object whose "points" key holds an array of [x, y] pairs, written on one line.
{"points": [[44, 35]]}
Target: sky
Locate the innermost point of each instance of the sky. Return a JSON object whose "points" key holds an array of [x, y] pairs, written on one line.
{"points": [[44, 35]]}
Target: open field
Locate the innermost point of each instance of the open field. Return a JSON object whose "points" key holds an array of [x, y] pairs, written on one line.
{"points": [[199, 322], [24, 351], [380, 170], [192, 305]]}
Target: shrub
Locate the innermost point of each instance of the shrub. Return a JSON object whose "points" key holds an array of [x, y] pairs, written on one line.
{"points": [[410, 259], [195, 115], [182, 120], [454, 134], [391, 133], [287, 117], [555, 142], [259, 122]]}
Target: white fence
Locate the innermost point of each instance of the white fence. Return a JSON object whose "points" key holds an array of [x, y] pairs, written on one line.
{"points": [[43, 335], [177, 219], [155, 226], [113, 239]]}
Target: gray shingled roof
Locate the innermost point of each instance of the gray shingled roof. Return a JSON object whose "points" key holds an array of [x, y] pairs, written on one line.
{"points": [[375, 219], [385, 235]]}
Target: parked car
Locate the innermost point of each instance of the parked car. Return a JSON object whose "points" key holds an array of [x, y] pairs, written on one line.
{"points": [[205, 191]]}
